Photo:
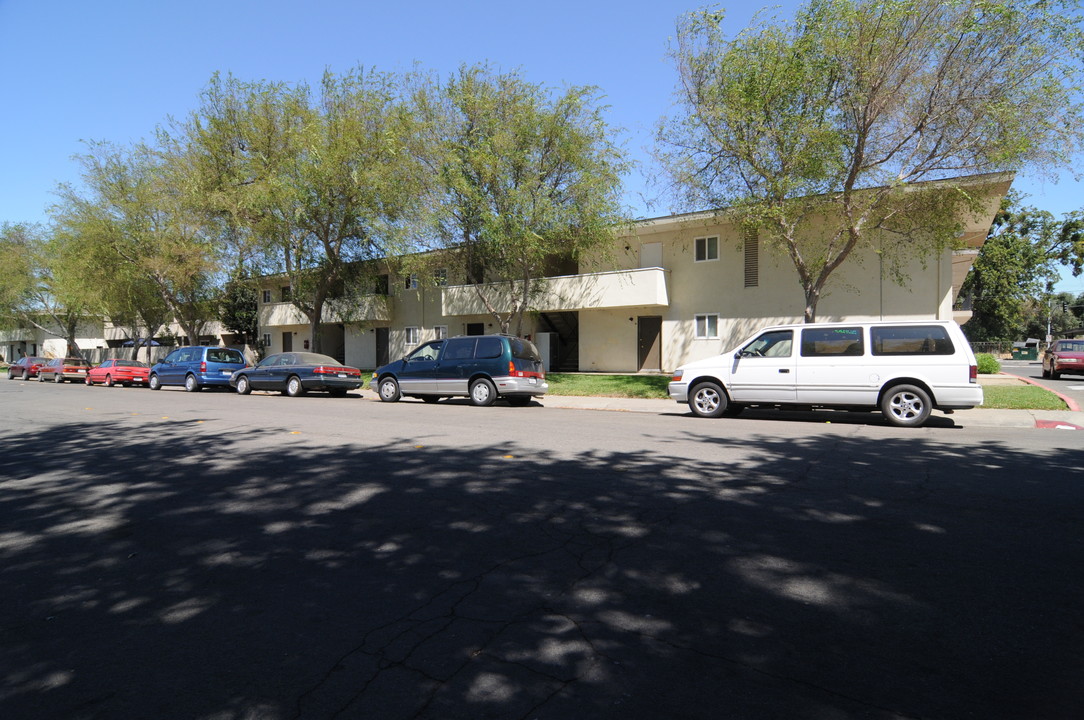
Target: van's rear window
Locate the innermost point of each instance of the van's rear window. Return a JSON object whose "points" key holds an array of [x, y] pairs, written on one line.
{"points": [[525, 350], [911, 340]]}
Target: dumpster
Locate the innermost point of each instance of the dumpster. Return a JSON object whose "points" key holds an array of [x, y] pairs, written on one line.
{"points": [[1025, 350]]}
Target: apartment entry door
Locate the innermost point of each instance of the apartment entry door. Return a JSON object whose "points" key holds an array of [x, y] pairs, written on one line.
{"points": [[287, 342], [649, 342]]}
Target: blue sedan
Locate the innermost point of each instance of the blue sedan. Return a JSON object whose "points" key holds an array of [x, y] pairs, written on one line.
{"points": [[295, 373]]}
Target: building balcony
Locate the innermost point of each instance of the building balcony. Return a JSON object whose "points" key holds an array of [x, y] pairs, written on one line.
{"points": [[643, 287], [364, 309]]}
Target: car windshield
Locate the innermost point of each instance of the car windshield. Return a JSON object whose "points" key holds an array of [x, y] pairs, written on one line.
{"points": [[315, 359], [130, 363], [1071, 346]]}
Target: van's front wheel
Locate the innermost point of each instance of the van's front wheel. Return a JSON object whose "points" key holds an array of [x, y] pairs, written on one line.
{"points": [[906, 406], [708, 400]]}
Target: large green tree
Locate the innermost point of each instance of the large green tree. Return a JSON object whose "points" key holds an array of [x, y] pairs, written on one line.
{"points": [[1016, 268], [817, 131], [314, 183], [137, 213], [523, 177], [41, 283]]}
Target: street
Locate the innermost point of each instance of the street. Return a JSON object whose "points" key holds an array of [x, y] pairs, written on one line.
{"points": [[211, 556]]}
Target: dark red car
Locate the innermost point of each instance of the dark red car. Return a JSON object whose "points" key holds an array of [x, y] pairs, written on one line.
{"points": [[1064, 356], [116, 371], [27, 367], [61, 369]]}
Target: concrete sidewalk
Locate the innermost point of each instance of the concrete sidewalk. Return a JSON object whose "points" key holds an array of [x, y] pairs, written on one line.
{"points": [[978, 417]]}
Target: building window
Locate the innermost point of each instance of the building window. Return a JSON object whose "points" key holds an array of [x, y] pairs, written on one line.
{"points": [[380, 285], [752, 259], [284, 293], [707, 248], [412, 281], [267, 339], [413, 336], [707, 326], [440, 331], [440, 277], [267, 296]]}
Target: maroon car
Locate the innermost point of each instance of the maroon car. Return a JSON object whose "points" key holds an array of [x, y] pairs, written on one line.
{"points": [[27, 367], [61, 369], [1064, 356], [116, 371]]}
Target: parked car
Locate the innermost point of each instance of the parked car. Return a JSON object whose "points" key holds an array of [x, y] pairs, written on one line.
{"points": [[905, 369], [117, 371], [61, 369], [296, 373], [1064, 356], [196, 367], [26, 367], [480, 367]]}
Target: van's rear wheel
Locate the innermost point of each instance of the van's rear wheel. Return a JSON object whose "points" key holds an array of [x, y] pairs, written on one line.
{"points": [[708, 400], [906, 406], [482, 392]]}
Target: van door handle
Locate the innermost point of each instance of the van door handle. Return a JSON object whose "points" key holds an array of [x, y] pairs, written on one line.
{"points": [[784, 370]]}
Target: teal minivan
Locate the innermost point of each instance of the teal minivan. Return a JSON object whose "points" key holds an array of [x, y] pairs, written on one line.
{"points": [[195, 367], [480, 367]]}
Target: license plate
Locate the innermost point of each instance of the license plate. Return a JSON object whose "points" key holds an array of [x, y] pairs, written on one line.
{"points": [[227, 373], [81, 372], [342, 375], [532, 381]]}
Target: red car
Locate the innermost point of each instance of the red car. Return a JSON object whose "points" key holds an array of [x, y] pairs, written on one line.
{"points": [[61, 369], [1064, 356], [27, 367], [117, 371]]}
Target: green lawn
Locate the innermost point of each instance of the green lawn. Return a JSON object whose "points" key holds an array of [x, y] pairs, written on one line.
{"points": [[1002, 397], [631, 386]]}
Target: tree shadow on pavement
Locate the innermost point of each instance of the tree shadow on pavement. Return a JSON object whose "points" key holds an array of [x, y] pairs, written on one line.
{"points": [[184, 573]]}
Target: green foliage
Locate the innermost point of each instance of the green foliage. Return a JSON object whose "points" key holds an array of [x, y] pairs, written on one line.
{"points": [[988, 364], [311, 181], [1008, 286], [816, 131], [522, 175], [239, 307]]}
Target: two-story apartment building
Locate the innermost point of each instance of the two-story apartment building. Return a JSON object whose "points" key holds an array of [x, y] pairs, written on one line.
{"points": [[675, 289]]}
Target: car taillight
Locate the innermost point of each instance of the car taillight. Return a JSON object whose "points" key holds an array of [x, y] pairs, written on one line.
{"points": [[203, 367], [325, 370], [512, 372], [974, 372]]}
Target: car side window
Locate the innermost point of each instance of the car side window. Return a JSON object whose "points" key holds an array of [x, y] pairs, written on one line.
{"points": [[489, 347], [427, 352], [459, 349], [832, 342], [778, 343]]}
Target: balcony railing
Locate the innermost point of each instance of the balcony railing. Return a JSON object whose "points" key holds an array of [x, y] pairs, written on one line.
{"points": [[367, 308], [644, 287]]}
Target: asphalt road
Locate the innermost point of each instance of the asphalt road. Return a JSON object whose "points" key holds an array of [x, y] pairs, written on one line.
{"points": [[208, 556]]}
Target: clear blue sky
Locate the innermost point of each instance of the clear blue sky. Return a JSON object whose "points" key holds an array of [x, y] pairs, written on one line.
{"points": [[112, 70]]}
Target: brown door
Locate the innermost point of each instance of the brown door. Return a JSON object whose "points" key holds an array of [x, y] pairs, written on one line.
{"points": [[649, 342], [287, 342]]}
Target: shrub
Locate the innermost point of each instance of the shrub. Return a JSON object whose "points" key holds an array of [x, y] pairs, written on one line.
{"points": [[988, 364]]}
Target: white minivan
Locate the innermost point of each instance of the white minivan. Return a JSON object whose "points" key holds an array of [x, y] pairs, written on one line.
{"points": [[905, 369]]}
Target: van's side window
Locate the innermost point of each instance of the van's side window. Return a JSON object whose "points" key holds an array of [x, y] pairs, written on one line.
{"points": [[489, 347], [832, 342], [778, 343], [459, 349], [911, 340]]}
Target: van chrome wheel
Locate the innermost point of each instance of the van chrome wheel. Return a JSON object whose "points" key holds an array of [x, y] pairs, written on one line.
{"points": [[389, 389], [709, 400], [906, 406], [482, 392]]}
